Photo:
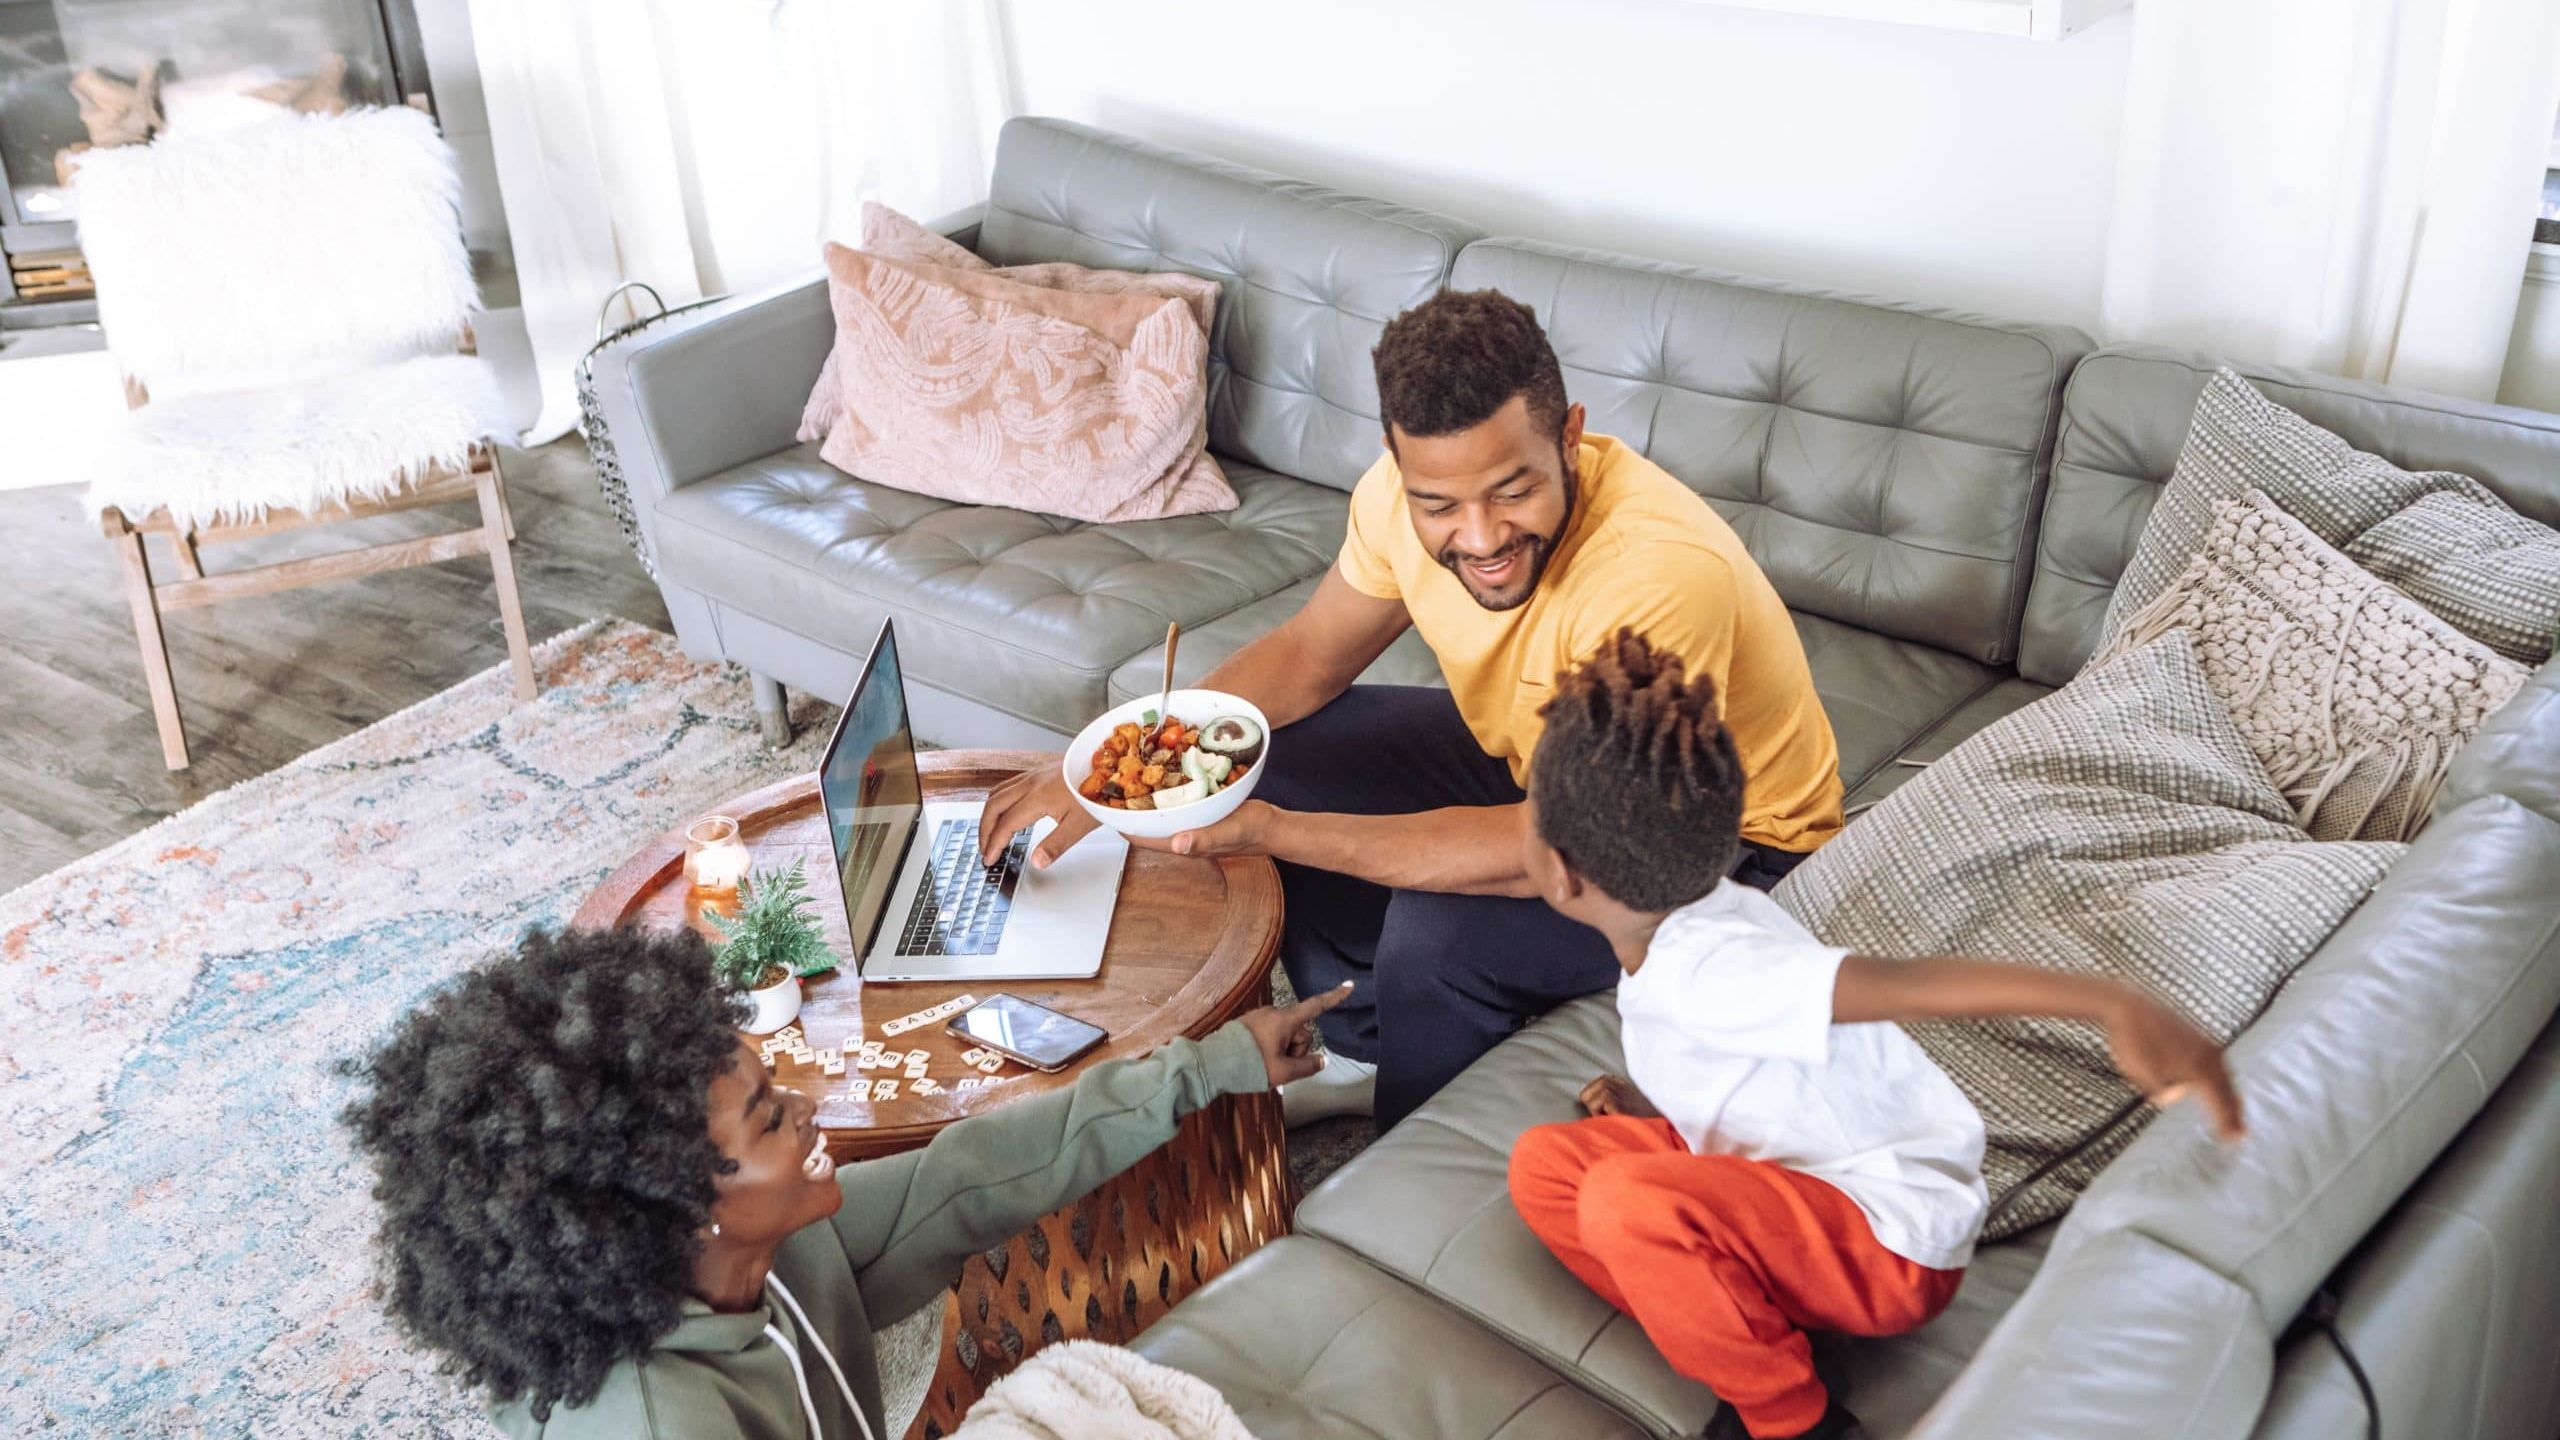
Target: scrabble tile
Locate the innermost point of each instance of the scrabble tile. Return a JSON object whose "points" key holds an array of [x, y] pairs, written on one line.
{"points": [[884, 1090], [835, 1066], [991, 1064]]}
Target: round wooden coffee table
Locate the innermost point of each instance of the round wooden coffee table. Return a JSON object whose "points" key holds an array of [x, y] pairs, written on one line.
{"points": [[1190, 948]]}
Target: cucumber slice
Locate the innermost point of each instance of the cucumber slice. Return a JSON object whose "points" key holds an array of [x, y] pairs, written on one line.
{"points": [[1176, 795], [1230, 735], [1210, 770], [1147, 721]]}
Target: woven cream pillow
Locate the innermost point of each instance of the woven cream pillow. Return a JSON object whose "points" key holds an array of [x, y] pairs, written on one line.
{"points": [[2353, 695]]}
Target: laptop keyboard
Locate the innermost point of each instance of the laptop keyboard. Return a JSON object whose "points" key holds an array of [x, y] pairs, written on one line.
{"points": [[961, 905]]}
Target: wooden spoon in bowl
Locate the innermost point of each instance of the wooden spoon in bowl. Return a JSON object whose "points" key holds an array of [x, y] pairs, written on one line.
{"points": [[1164, 702]]}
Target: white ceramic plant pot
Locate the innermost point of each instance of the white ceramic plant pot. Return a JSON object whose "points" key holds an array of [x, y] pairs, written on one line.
{"points": [[775, 1006]]}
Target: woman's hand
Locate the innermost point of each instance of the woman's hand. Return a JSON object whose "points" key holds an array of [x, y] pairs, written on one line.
{"points": [[1025, 800], [1617, 1095], [2165, 1057], [1285, 1034]]}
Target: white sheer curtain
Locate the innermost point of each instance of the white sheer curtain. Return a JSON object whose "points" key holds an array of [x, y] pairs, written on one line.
{"points": [[713, 145], [2346, 185]]}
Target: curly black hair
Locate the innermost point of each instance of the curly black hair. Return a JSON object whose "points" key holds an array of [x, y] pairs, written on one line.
{"points": [[1448, 363], [1636, 779], [541, 1141]]}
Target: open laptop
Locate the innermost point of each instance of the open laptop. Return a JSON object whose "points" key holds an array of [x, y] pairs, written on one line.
{"points": [[917, 901]]}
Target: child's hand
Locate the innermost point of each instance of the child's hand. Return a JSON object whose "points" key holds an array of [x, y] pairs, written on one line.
{"points": [[1286, 1035], [1616, 1095], [2166, 1057]]}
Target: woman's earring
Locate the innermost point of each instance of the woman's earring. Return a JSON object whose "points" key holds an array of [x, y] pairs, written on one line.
{"points": [[715, 1227]]}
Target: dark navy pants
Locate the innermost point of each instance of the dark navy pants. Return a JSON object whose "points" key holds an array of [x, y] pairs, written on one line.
{"points": [[1440, 978]]}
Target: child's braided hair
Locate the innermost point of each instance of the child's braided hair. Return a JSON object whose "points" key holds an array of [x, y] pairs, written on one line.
{"points": [[1636, 778]]}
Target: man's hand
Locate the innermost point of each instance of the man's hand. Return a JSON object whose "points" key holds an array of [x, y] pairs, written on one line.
{"points": [[1617, 1095], [1246, 832], [2165, 1057], [1027, 799], [1285, 1034]]}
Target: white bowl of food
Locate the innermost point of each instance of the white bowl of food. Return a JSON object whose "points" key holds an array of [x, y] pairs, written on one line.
{"points": [[1195, 771]]}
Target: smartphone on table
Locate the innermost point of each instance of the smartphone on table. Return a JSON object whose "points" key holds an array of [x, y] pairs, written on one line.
{"points": [[1019, 1030]]}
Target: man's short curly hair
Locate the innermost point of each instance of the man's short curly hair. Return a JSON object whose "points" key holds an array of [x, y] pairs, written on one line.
{"points": [[541, 1142], [1636, 779], [1448, 363]]}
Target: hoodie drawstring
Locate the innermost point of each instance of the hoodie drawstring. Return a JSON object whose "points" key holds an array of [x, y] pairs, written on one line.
{"points": [[800, 1372]]}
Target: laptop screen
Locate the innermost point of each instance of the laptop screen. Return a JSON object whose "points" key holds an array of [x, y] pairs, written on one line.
{"points": [[868, 784]]}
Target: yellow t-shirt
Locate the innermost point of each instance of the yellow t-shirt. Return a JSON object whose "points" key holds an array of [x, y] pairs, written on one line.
{"points": [[1642, 551]]}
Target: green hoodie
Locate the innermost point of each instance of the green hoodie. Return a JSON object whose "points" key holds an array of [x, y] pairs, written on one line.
{"points": [[908, 1223]]}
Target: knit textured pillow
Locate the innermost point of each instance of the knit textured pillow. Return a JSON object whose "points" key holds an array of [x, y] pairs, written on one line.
{"points": [[2495, 583], [2353, 695], [2118, 827]]}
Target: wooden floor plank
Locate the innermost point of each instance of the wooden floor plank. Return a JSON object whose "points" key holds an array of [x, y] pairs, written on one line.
{"points": [[264, 679]]}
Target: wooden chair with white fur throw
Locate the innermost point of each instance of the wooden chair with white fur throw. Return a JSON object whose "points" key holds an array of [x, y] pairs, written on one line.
{"points": [[293, 300]]}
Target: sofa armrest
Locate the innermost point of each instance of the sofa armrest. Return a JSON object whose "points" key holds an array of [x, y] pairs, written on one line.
{"points": [[2516, 753], [2119, 1338], [722, 385], [2371, 1060]]}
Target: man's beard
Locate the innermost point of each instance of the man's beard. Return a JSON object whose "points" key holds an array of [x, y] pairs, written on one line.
{"points": [[1535, 551]]}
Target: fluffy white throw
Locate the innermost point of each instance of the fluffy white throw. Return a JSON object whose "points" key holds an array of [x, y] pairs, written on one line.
{"points": [[291, 294], [309, 244], [234, 456], [1082, 1390]]}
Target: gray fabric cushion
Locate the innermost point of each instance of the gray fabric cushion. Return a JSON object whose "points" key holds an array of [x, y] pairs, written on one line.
{"points": [[2350, 693], [1882, 462], [1310, 276], [1430, 1203], [2444, 538], [1027, 614], [2486, 569], [2125, 417], [1309, 1343], [2119, 827]]}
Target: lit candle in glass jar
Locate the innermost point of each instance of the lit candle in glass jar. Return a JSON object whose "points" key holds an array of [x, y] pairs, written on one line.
{"points": [[715, 857]]}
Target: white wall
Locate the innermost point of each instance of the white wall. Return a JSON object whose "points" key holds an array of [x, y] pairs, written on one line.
{"points": [[1919, 164]]}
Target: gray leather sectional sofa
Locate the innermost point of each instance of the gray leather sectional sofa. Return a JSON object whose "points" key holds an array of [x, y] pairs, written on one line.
{"points": [[1944, 501]]}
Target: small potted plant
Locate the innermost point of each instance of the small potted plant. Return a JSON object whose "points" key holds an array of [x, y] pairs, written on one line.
{"points": [[769, 944]]}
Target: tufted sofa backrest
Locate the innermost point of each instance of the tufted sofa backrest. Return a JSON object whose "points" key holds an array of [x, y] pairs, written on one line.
{"points": [[1309, 275], [1884, 463], [2125, 418]]}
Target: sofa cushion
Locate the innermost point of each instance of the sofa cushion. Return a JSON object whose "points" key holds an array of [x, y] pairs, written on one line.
{"points": [[1429, 1203], [1308, 1342], [1883, 463], [2119, 828], [1027, 614], [2125, 416], [1311, 276], [1953, 729]]}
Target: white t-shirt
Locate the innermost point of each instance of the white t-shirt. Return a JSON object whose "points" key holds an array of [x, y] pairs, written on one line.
{"points": [[1728, 1032]]}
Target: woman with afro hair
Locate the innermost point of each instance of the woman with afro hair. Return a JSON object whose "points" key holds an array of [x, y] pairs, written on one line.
{"points": [[606, 1217]]}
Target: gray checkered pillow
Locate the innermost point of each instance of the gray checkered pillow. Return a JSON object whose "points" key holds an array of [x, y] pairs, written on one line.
{"points": [[2118, 827], [2465, 555]]}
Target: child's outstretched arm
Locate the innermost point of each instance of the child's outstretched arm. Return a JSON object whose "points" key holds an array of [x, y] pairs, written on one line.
{"points": [[2154, 1046]]}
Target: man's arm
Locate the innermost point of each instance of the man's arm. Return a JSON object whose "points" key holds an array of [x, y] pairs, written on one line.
{"points": [[2154, 1047], [1463, 850], [1314, 655]]}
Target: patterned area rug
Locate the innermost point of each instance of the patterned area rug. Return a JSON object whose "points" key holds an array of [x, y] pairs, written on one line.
{"points": [[184, 1240], [184, 1246]]}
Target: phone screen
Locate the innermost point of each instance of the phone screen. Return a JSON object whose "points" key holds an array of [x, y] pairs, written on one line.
{"points": [[1034, 1033]]}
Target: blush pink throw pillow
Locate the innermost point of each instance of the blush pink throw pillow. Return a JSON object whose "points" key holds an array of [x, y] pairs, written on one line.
{"points": [[969, 386], [887, 234]]}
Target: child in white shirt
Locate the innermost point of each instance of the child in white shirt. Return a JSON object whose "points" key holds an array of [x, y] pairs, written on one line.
{"points": [[1809, 1165]]}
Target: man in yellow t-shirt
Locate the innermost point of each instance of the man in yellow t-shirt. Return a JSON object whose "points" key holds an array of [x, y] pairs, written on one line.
{"points": [[1517, 545]]}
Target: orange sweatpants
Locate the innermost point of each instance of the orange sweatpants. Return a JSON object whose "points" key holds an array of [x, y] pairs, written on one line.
{"points": [[1724, 1261]]}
